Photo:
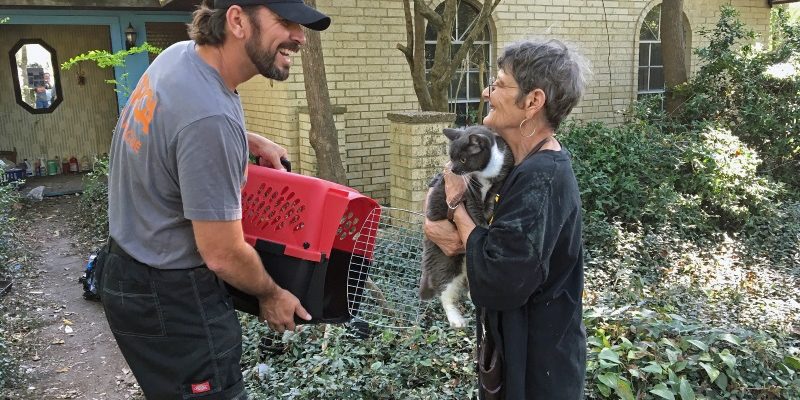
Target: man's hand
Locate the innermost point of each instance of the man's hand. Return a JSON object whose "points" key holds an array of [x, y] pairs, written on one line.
{"points": [[445, 235], [279, 308], [269, 152]]}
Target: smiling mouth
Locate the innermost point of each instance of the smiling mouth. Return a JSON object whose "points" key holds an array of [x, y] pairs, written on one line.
{"points": [[287, 52]]}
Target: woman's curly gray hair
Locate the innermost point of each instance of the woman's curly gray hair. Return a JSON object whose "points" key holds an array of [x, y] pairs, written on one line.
{"points": [[551, 66]]}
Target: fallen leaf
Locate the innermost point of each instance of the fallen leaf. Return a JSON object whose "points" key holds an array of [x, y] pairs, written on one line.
{"points": [[67, 329], [58, 341], [62, 370], [67, 322]]}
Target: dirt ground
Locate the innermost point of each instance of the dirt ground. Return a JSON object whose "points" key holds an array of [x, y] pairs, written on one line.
{"points": [[69, 351]]}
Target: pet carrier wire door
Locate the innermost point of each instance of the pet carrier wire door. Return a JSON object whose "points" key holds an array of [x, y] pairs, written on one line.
{"points": [[384, 291]]}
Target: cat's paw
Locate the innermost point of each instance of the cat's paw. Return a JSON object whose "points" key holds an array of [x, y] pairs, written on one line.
{"points": [[457, 321]]}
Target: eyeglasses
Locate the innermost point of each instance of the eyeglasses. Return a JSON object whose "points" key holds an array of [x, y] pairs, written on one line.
{"points": [[493, 86]]}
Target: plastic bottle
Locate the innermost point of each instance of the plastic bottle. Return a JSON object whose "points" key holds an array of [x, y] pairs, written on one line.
{"points": [[85, 163], [28, 167], [74, 167], [43, 166], [65, 165]]}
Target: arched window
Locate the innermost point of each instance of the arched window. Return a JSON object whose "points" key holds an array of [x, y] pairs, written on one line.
{"points": [[472, 76], [651, 65]]}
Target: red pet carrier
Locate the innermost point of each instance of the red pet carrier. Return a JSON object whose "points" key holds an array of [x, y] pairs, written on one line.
{"points": [[305, 230]]}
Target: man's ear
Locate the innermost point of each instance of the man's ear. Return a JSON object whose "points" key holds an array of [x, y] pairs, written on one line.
{"points": [[237, 21], [534, 101]]}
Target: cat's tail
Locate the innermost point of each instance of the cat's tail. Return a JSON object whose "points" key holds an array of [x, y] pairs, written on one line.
{"points": [[426, 291]]}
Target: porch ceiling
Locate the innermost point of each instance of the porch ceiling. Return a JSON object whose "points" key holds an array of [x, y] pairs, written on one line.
{"points": [[167, 5]]}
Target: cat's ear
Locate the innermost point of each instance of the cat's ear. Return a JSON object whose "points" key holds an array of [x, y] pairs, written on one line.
{"points": [[477, 143], [476, 139], [452, 134]]}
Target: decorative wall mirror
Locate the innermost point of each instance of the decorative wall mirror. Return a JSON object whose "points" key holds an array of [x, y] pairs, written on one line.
{"points": [[37, 84]]}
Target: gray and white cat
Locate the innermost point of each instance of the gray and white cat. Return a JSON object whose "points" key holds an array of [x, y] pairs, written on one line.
{"points": [[484, 160]]}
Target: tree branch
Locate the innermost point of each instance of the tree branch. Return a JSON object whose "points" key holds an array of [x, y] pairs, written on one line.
{"points": [[429, 14], [474, 30]]}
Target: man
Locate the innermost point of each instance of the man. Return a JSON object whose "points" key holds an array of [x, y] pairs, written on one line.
{"points": [[178, 161], [44, 92]]}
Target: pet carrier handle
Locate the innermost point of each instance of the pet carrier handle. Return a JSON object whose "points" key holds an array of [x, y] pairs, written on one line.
{"points": [[285, 162]]}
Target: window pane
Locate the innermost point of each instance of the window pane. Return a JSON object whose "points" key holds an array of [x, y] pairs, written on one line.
{"points": [[461, 114], [459, 84], [655, 55], [650, 26], [430, 53], [478, 56], [644, 54], [430, 33], [643, 78], [656, 78], [475, 86], [466, 14]]}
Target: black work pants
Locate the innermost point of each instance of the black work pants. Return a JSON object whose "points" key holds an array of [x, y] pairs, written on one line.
{"points": [[177, 329]]}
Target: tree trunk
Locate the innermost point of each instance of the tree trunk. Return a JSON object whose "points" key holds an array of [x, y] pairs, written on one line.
{"points": [[323, 135], [673, 50]]}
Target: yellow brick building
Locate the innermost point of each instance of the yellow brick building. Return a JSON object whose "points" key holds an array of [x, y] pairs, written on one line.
{"points": [[369, 77]]}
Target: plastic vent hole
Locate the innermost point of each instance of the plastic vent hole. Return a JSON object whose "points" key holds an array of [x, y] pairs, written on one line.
{"points": [[301, 209], [280, 225], [352, 230], [299, 226], [294, 219], [290, 196], [285, 189], [261, 188]]}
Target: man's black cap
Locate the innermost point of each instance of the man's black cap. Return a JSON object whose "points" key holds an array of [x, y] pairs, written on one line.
{"points": [[290, 10]]}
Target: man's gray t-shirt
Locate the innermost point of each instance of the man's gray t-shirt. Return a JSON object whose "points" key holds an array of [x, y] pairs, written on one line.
{"points": [[179, 153]]}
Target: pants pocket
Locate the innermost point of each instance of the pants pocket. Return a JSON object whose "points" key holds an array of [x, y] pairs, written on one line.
{"points": [[131, 305]]}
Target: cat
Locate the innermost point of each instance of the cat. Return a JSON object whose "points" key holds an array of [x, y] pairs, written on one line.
{"points": [[484, 160]]}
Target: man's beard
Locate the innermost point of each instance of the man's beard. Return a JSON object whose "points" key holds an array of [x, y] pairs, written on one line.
{"points": [[263, 59]]}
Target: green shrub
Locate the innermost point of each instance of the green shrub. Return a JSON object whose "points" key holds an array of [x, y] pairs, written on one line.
{"points": [[645, 354], [736, 88], [9, 251], [434, 362], [722, 172], [94, 200]]}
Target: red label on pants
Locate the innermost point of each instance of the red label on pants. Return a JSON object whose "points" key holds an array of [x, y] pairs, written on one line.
{"points": [[201, 387]]}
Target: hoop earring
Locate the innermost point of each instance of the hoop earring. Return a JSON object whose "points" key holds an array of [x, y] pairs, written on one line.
{"points": [[520, 129]]}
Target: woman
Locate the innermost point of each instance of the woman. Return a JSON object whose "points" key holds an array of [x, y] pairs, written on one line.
{"points": [[525, 271]]}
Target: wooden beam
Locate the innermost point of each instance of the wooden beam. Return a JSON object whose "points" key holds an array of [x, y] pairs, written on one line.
{"points": [[81, 3]]}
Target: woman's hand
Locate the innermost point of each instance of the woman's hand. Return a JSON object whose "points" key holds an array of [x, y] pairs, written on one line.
{"points": [[454, 186], [268, 152], [445, 235]]}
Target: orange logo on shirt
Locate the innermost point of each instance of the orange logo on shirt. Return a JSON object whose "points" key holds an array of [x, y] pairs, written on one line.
{"points": [[142, 104]]}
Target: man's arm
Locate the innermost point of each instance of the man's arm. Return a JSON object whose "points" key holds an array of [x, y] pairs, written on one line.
{"points": [[222, 246]]}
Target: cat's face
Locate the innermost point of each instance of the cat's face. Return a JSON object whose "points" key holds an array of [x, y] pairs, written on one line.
{"points": [[470, 148]]}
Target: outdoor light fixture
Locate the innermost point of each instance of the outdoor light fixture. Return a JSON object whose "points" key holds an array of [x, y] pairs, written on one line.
{"points": [[130, 37]]}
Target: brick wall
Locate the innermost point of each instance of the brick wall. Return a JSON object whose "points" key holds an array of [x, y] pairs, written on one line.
{"points": [[367, 74]]}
